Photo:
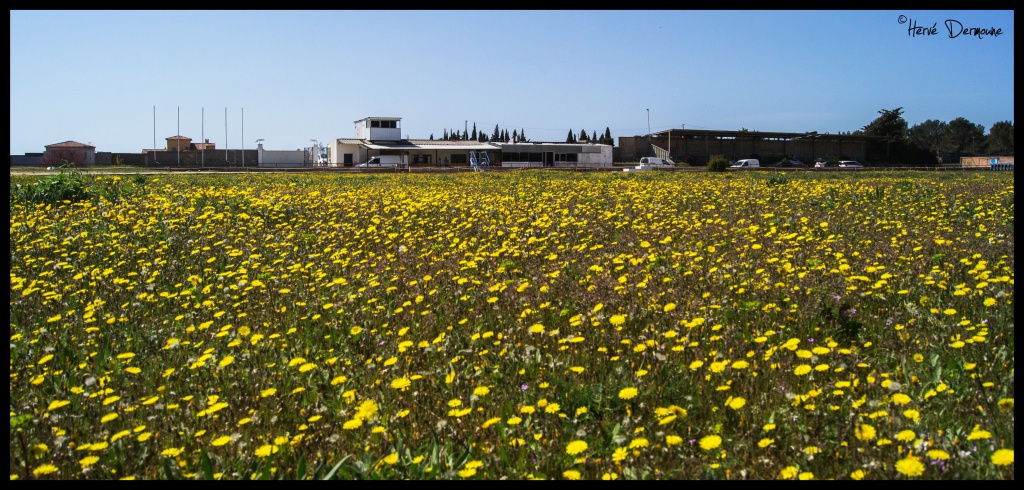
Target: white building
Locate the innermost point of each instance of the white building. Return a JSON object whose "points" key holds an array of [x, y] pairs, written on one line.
{"points": [[382, 136]]}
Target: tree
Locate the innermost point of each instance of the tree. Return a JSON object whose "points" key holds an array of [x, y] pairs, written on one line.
{"points": [[1000, 139], [496, 134], [569, 138], [963, 136], [928, 135], [515, 136], [889, 125], [473, 135], [522, 135], [431, 136], [583, 135]]}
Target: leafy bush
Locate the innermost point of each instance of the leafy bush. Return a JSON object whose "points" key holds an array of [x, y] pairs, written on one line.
{"points": [[717, 163], [68, 185]]}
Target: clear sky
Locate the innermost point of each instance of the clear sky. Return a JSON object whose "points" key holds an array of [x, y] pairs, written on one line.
{"points": [[95, 76]]}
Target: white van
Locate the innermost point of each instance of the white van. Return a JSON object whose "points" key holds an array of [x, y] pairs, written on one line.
{"points": [[652, 161], [746, 163], [383, 161]]}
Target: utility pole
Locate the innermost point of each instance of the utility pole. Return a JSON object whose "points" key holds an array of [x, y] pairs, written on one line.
{"points": [[243, 136], [202, 136], [648, 130], [225, 136], [154, 134], [177, 144]]}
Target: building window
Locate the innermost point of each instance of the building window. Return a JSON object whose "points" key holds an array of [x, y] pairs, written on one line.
{"points": [[565, 157], [374, 124], [459, 158]]}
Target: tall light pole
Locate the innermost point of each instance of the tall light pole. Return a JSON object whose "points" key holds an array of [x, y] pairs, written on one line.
{"points": [[648, 130], [177, 144], [202, 137], [316, 151]]}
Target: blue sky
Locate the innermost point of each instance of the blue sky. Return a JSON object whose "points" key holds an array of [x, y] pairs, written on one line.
{"points": [[95, 76]]}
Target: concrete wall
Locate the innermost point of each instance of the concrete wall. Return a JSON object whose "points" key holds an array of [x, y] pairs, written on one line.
{"points": [[281, 156], [27, 159], [632, 148], [215, 158]]}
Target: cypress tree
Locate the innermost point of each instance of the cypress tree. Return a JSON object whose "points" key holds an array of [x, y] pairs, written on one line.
{"points": [[583, 135], [568, 139], [474, 136], [496, 134], [522, 134], [445, 137]]}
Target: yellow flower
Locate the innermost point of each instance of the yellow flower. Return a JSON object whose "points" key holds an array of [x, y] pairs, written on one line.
{"points": [[1002, 457], [906, 435], [108, 417], [977, 433], [938, 454], [571, 474], [910, 466], [576, 447], [468, 472], [391, 459], [736, 403], [708, 443], [266, 450], [44, 469], [901, 398], [352, 424], [172, 452], [673, 440], [401, 383], [765, 442], [222, 440], [536, 328], [481, 390], [807, 475], [88, 461], [617, 320], [788, 472], [857, 475], [620, 454], [57, 404], [865, 432], [912, 415], [802, 370], [669, 307], [268, 392], [627, 393]]}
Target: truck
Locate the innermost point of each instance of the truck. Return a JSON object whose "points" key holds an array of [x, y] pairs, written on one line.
{"points": [[384, 161]]}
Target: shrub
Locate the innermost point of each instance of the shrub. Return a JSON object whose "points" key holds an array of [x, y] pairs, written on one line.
{"points": [[718, 163], [68, 185]]}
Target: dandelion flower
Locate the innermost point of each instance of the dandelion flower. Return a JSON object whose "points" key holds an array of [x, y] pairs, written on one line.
{"points": [[1003, 457], [222, 440], [45, 469], [788, 472], [906, 435], [266, 450], [910, 466], [901, 398], [571, 474], [673, 440], [401, 383], [391, 459], [620, 454], [627, 393], [708, 443], [576, 447], [736, 403], [865, 432], [802, 370], [938, 454], [617, 320]]}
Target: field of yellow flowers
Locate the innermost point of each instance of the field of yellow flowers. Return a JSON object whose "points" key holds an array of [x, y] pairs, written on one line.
{"points": [[515, 325]]}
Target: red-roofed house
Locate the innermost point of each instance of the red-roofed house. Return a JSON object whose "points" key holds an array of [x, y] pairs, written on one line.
{"points": [[69, 151]]}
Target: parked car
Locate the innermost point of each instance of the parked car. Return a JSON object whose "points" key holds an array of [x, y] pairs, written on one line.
{"points": [[826, 165], [790, 164], [850, 164], [746, 163]]}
